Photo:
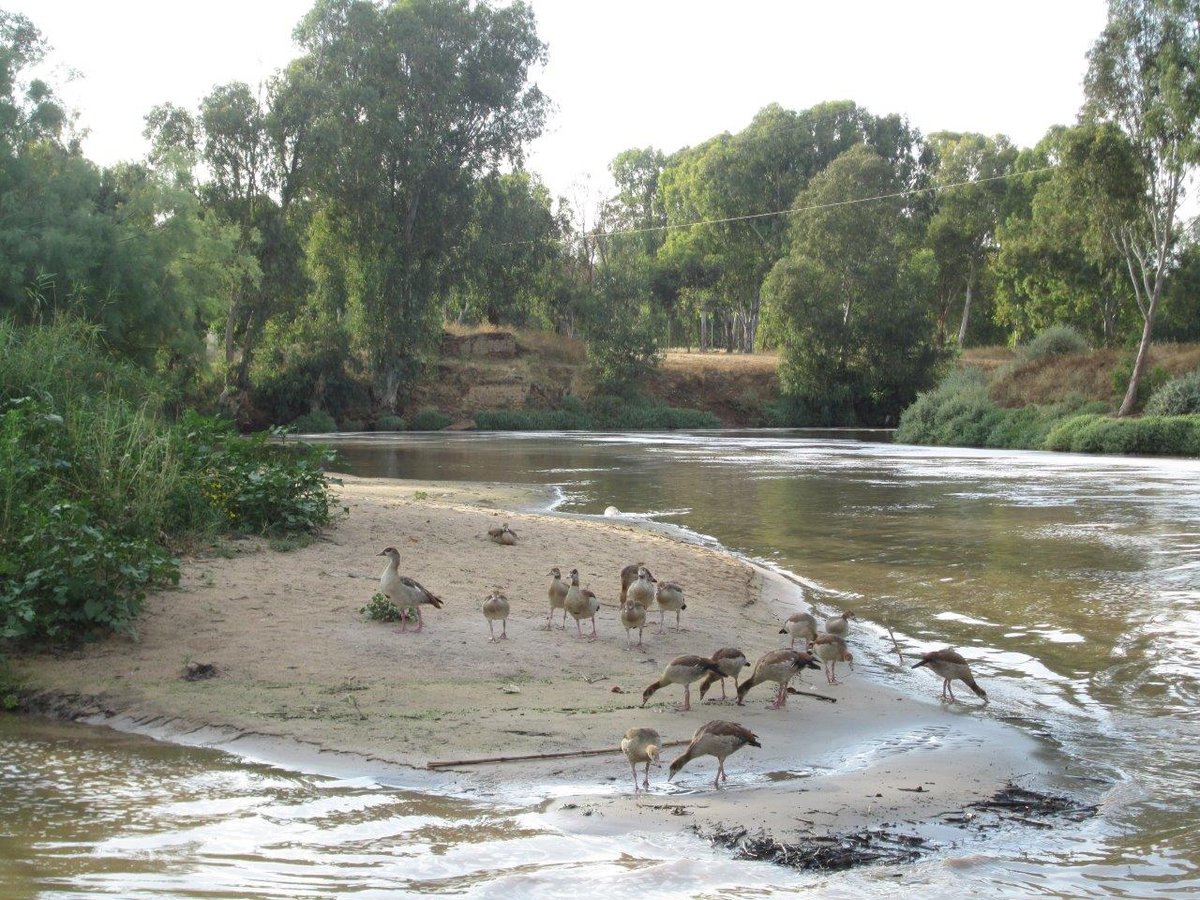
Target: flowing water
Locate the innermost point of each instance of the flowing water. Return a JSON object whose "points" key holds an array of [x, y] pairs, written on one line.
{"points": [[1072, 583]]}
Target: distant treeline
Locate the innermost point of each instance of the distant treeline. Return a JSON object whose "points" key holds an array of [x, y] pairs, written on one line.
{"points": [[304, 241]]}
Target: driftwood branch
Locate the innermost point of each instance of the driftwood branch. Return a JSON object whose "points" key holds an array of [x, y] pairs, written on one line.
{"points": [[480, 760], [896, 644], [792, 690]]}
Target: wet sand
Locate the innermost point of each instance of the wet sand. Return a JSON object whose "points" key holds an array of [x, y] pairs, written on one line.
{"points": [[304, 680]]}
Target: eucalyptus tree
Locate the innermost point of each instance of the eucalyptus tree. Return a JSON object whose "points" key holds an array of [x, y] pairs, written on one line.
{"points": [[1056, 265], [855, 330], [1142, 76], [968, 205], [411, 102]]}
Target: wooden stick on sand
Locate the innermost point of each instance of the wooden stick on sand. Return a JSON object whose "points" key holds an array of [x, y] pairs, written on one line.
{"points": [[896, 644], [479, 760]]}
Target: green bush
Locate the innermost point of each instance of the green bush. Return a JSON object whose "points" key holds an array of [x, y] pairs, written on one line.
{"points": [[316, 422], [1149, 435], [389, 423], [430, 420], [381, 609], [1178, 397], [1056, 340]]}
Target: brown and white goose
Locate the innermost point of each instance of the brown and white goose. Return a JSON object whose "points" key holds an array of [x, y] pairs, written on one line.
{"points": [[669, 597], [633, 615], [717, 739], [641, 745], [503, 535], [403, 591], [682, 670], [629, 575], [730, 661], [801, 625], [641, 589], [581, 604], [950, 665], [495, 609], [558, 598], [780, 666], [839, 625], [831, 650]]}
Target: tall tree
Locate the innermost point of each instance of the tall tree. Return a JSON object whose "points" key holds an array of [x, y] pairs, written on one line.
{"points": [[856, 333], [1142, 75], [413, 100]]}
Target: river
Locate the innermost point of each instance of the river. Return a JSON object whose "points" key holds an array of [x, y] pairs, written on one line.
{"points": [[1072, 583]]}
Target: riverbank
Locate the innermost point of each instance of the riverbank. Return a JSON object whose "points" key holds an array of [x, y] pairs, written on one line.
{"points": [[297, 666]]}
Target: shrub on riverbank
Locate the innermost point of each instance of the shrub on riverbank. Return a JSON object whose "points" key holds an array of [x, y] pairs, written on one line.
{"points": [[959, 413], [96, 485]]}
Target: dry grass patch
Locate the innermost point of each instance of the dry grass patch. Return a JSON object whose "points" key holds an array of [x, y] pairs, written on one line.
{"points": [[719, 361]]}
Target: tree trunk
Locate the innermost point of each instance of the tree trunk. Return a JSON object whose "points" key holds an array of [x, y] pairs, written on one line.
{"points": [[1143, 357], [966, 317]]}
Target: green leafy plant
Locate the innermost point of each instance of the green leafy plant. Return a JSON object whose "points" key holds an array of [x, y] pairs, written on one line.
{"points": [[429, 420], [1178, 397], [381, 609], [1054, 341]]}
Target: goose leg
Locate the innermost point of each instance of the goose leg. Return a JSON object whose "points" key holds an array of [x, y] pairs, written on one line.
{"points": [[593, 634], [633, 767], [687, 698], [504, 630], [492, 631], [646, 780], [420, 622]]}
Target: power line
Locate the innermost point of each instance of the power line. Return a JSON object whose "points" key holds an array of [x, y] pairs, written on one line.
{"points": [[783, 212]]}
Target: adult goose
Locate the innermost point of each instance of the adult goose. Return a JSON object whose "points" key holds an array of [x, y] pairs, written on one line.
{"points": [[503, 535], [403, 591], [730, 662]]}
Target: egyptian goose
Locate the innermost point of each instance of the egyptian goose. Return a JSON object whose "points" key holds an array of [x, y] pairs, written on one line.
{"points": [[717, 739], [730, 661], [950, 666], [641, 589], [670, 599], [801, 625], [629, 575], [558, 598], [495, 608], [780, 666], [503, 535], [839, 625], [581, 604], [641, 745], [682, 670], [403, 591], [633, 615], [831, 650]]}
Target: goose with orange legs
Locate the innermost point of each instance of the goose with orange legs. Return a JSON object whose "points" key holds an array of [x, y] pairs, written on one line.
{"points": [[831, 650], [801, 626], [403, 591], [950, 665]]}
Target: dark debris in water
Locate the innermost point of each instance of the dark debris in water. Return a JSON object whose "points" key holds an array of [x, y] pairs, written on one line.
{"points": [[826, 853], [1018, 804]]}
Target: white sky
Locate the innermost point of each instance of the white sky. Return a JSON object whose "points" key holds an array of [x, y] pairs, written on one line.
{"points": [[626, 73]]}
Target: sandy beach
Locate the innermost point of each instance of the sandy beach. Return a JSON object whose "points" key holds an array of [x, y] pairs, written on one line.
{"points": [[302, 678]]}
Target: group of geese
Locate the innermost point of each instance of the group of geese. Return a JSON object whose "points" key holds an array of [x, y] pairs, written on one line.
{"points": [[639, 590]]}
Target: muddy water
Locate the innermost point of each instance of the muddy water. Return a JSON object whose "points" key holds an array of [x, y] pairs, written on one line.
{"points": [[1073, 584]]}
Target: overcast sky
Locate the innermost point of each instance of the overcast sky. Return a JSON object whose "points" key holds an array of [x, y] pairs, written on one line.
{"points": [[626, 73]]}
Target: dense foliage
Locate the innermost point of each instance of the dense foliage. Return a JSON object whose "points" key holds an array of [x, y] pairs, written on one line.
{"points": [[96, 486]]}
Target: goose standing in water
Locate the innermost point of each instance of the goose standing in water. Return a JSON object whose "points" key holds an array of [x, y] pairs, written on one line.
{"points": [[641, 745], [403, 591], [581, 604], [780, 666], [831, 650], [503, 535], [730, 661], [558, 598], [633, 615], [641, 589], [682, 670], [950, 665], [495, 608], [801, 625], [670, 599], [717, 739]]}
